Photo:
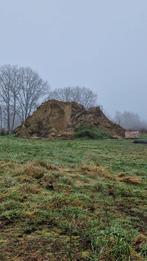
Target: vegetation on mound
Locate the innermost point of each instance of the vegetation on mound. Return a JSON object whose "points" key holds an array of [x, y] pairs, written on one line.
{"points": [[85, 204], [91, 133]]}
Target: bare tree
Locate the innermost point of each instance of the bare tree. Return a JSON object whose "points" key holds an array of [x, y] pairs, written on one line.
{"points": [[32, 90], [1, 117], [130, 121], [21, 90], [81, 95], [15, 89], [9, 86]]}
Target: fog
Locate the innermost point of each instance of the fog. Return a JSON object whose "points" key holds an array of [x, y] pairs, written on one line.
{"points": [[99, 44]]}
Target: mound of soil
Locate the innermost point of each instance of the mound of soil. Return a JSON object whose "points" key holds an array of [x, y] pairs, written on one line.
{"points": [[60, 119]]}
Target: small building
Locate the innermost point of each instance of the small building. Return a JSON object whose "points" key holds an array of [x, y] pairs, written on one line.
{"points": [[131, 134]]}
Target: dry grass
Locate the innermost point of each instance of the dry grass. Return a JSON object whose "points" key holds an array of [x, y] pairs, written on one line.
{"points": [[131, 180], [97, 171], [55, 209]]}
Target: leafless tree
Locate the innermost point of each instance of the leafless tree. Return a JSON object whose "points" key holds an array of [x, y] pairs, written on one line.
{"points": [[32, 91], [130, 121], [1, 117], [81, 95], [9, 86], [21, 90]]}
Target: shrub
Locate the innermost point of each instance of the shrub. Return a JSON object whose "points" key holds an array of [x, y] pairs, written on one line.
{"points": [[91, 133]]}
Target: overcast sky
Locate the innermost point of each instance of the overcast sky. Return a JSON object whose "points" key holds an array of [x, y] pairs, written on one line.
{"points": [[100, 44]]}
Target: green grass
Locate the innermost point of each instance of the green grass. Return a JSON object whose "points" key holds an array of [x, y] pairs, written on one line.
{"points": [[72, 200]]}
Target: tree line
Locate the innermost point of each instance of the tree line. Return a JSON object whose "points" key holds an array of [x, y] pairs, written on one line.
{"points": [[130, 121], [22, 90]]}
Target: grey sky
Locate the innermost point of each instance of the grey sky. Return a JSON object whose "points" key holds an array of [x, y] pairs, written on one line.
{"points": [[100, 44]]}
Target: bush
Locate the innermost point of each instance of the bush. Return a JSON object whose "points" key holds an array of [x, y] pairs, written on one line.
{"points": [[91, 133]]}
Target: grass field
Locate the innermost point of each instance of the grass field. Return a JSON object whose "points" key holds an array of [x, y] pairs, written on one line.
{"points": [[72, 200]]}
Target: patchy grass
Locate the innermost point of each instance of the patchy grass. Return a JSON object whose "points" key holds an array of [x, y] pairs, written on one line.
{"points": [[72, 200]]}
